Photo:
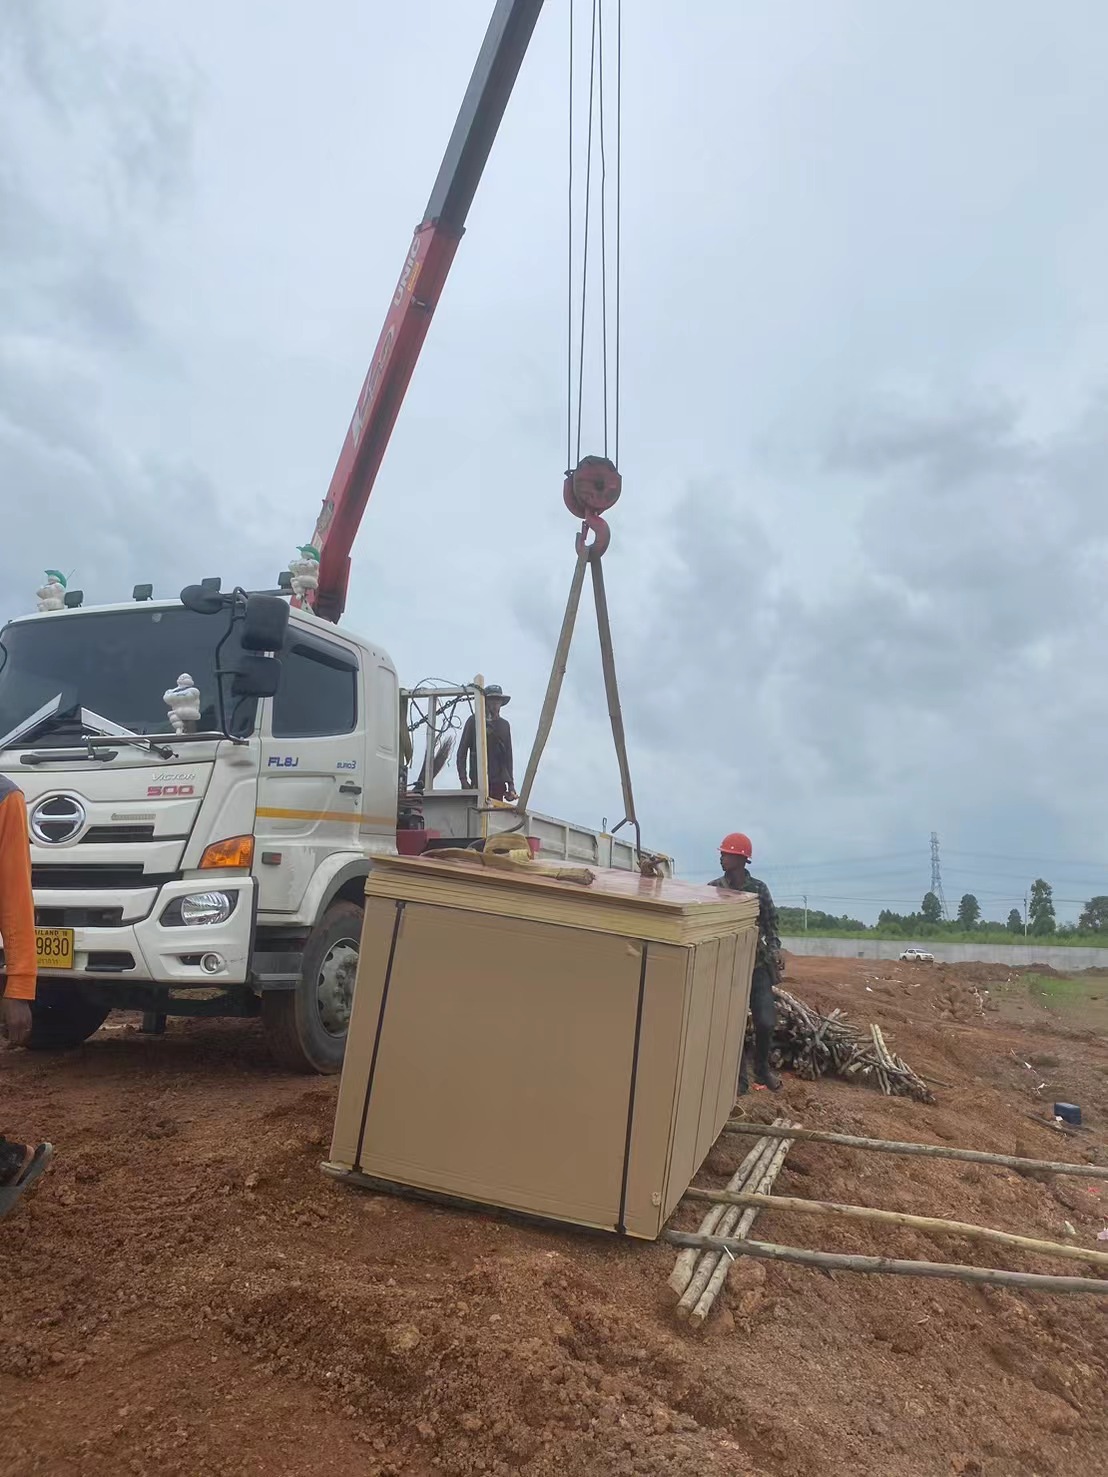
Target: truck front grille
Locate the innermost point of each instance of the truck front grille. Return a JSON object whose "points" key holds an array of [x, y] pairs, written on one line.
{"points": [[107, 835], [96, 878], [78, 917]]}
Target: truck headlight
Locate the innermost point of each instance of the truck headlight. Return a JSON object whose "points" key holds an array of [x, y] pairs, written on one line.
{"points": [[200, 907]]}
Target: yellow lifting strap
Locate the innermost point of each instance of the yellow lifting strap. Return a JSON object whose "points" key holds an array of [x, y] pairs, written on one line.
{"points": [[587, 556]]}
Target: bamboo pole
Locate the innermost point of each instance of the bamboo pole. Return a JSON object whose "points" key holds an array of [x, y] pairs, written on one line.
{"points": [[723, 1265], [685, 1265], [899, 1218], [767, 1251], [936, 1151], [708, 1261]]}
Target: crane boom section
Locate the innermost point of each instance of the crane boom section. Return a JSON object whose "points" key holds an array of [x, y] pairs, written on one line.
{"points": [[422, 278]]}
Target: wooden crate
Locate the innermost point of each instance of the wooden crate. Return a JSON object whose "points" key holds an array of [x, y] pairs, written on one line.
{"points": [[563, 1051]]}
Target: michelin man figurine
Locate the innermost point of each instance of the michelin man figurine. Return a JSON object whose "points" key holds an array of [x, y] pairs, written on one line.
{"points": [[183, 702], [305, 571], [52, 594]]}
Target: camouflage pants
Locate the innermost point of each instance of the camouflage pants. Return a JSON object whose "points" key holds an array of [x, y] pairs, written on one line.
{"points": [[763, 1011]]}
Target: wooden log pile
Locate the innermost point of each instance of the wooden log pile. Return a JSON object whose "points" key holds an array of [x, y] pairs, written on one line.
{"points": [[702, 1267], [814, 1045]]}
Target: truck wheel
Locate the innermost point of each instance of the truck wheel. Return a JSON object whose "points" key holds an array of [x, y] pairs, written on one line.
{"points": [[62, 1017], [306, 1026]]}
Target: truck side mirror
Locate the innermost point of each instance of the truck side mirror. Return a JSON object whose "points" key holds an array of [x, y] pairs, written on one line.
{"points": [[256, 676], [264, 624]]}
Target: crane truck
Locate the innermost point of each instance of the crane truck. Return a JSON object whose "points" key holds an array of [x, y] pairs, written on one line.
{"points": [[209, 778]]}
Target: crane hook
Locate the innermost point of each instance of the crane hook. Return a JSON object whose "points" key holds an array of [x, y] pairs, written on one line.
{"points": [[589, 490]]}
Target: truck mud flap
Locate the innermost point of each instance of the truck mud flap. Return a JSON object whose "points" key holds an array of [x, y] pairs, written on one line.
{"points": [[276, 970]]}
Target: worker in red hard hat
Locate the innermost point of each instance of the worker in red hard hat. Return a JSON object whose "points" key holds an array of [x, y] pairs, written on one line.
{"points": [[735, 852]]}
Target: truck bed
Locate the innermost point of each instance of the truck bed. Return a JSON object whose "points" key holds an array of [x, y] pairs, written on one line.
{"points": [[457, 816]]}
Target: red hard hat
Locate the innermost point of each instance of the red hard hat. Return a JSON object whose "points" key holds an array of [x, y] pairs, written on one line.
{"points": [[736, 845]]}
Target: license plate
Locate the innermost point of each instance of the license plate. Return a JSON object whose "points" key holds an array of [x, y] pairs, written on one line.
{"points": [[54, 948]]}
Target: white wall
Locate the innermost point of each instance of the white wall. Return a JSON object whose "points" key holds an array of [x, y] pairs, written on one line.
{"points": [[949, 953]]}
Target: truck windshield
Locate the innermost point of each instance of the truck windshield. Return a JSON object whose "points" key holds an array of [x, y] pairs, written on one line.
{"points": [[118, 664]]}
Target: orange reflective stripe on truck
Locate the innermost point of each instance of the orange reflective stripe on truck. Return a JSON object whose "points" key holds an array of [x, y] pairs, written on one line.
{"points": [[271, 813]]}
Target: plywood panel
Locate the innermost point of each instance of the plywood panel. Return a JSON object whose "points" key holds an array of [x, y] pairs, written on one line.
{"points": [[714, 978], [744, 945], [505, 1064], [732, 1029], [381, 917], [655, 1087], [694, 1051]]}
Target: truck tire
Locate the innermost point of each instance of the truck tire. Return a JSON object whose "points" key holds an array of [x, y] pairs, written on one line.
{"points": [[306, 1026], [62, 1017]]}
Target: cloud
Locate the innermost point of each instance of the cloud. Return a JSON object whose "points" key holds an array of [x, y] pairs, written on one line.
{"points": [[939, 681], [104, 141], [857, 576]]}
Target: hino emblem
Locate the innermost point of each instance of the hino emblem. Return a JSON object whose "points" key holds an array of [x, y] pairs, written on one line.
{"points": [[57, 819]]}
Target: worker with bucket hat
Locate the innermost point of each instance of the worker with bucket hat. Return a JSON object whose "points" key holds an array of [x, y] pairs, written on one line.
{"points": [[735, 852], [498, 747]]}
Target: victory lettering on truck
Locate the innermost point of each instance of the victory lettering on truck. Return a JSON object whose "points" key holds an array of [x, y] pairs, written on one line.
{"points": [[207, 781]]}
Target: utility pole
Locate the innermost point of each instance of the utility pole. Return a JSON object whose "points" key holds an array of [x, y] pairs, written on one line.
{"points": [[1025, 902], [936, 874], [805, 912]]}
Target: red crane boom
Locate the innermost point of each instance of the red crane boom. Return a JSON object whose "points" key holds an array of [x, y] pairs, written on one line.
{"points": [[417, 293]]}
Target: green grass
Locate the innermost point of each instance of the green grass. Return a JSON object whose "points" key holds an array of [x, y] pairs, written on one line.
{"points": [[1079, 1003], [1060, 991]]}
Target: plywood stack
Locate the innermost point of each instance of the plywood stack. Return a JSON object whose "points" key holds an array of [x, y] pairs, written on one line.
{"points": [[562, 1050]]}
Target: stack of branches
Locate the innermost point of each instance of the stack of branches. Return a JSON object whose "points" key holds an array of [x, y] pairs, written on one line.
{"points": [[813, 1045]]}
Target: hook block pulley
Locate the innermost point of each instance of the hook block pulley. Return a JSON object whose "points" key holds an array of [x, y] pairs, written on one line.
{"points": [[590, 489]]}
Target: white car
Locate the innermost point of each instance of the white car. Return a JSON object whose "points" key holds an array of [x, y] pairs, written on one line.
{"points": [[917, 956]]}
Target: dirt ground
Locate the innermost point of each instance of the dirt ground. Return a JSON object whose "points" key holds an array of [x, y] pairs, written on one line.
{"points": [[186, 1295]]}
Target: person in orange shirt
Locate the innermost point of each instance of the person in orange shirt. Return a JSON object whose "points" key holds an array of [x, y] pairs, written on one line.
{"points": [[20, 1164]]}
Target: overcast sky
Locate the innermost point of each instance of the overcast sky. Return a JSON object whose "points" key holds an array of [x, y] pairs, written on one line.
{"points": [[857, 574]]}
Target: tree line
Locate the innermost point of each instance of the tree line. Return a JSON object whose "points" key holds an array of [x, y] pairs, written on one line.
{"points": [[928, 920]]}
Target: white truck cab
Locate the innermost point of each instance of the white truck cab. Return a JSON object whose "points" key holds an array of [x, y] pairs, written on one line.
{"points": [[215, 865]]}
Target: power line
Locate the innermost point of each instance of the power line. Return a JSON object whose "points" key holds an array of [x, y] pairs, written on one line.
{"points": [[1021, 877], [854, 876], [831, 897], [1033, 862], [857, 861]]}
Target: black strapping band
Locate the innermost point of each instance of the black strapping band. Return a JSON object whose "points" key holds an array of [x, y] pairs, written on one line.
{"points": [[377, 1037], [621, 1226]]}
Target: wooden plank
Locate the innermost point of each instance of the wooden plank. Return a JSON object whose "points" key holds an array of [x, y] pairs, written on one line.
{"points": [[928, 1223], [935, 1151], [834, 1262], [657, 909]]}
